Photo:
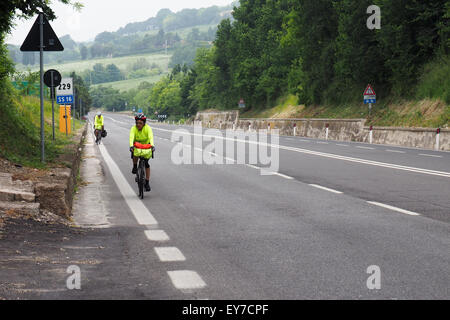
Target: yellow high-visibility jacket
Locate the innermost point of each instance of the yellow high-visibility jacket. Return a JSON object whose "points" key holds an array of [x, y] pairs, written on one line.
{"points": [[144, 136], [98, 123]]}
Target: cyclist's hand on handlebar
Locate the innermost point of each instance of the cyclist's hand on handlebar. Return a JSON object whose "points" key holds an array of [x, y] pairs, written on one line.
{"points": [[131, 149], [153, 148]]}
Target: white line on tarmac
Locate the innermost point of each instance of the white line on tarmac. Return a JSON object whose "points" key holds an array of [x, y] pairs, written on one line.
{"points": [[368, 148], [168, 254], [334, 156], [342, 145], [320, 142], [156, 235], [186, 279], [429, 155], [139, 210], [252, 166], [283, 176], [396, 151], [393, 208], [326, 189]]}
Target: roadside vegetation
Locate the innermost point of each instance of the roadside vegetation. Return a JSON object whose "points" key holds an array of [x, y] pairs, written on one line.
{"points": [[316, 57]]}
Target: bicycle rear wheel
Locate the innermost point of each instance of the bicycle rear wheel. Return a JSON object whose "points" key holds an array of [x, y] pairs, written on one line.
{"points": [[141, 178]]}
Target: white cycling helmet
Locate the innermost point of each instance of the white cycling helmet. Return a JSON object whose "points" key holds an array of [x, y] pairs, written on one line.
{"points": [[99, 113]]}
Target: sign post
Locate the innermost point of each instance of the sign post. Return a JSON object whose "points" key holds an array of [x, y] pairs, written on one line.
{"points": [[52, 79], [41, 38], [370, 97]]}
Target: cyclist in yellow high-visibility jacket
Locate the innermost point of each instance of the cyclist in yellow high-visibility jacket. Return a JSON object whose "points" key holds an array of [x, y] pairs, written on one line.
{"points": [[99, 125], [143, 134]]}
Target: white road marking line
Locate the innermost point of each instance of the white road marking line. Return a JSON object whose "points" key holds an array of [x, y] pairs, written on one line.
{"points": [[335, 156], [283, 176], [429, 155], [139, 210], [396, 151], [168, 254], [368, 148], [252, 166], [304, 140], [342, 145], [394, 208], [326, 189], [185, 279], [320, 142], [156, 235]]}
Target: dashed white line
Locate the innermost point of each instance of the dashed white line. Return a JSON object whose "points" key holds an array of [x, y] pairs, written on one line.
{"points": [[325, 188], [168, 254], [342, 145], [429, 155], [156, 235], [320, 142], [386, 206], [396, 151], [186, 279], [367, 148]]}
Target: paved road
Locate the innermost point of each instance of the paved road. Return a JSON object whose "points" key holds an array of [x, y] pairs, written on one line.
{"points": [[309, 231]]}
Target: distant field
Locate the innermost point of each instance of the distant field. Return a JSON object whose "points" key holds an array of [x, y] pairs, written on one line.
{"points": [[130, 84], [184, 31], [121, 62]]}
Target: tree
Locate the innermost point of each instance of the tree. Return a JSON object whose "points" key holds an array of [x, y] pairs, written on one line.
{"points": [[83, 52]]}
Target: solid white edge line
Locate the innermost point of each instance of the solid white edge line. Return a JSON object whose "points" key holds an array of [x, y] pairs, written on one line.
{"points": [[326, 189], [386, 206], [139, 210], [186, 279], [284, 176], [335, 156], [169, 254]]}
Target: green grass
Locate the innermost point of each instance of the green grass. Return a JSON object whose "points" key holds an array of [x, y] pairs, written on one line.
{"points": [[125, 85], [20, 130], [435, 81]]}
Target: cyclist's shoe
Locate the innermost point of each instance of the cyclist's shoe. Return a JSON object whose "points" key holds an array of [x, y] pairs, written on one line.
{"points": [[147, 186], [134, 170]]}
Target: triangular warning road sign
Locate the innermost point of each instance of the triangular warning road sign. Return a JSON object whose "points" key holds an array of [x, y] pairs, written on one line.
{"points": [[32, 41], [369, 91]]}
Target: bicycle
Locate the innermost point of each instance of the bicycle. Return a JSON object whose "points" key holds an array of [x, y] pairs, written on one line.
{"points": [[143, 150], [98, 136]]}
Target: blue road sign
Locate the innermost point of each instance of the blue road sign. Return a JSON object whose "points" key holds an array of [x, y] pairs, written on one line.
{"points": [[64, 99], [366, 101]]}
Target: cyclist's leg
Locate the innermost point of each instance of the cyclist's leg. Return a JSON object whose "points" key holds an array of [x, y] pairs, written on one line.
{"points": [[135, 161], [147, 176]]}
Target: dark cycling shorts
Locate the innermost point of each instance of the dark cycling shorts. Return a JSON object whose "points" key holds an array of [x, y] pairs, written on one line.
{"points": [[147, 165]]}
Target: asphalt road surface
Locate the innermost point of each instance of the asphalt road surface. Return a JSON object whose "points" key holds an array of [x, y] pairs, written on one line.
{"points": [[310, 230]]}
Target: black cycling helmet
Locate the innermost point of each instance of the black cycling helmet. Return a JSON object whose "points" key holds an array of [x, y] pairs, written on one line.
{"points": [[140, 116]]}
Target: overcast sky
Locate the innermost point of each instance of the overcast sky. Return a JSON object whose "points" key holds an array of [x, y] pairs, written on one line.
{"points": [[104, 15]]}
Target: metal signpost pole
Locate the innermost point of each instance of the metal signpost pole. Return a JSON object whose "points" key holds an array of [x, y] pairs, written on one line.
{"points": [[52, 90], [41, 61], [65, 116]]}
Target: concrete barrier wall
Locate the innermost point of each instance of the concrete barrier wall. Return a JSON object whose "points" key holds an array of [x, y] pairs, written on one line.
{"points": [[424, 138], [338, 129]]}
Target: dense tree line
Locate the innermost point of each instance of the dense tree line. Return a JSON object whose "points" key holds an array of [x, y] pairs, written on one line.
{"points": [[320, 50]]}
